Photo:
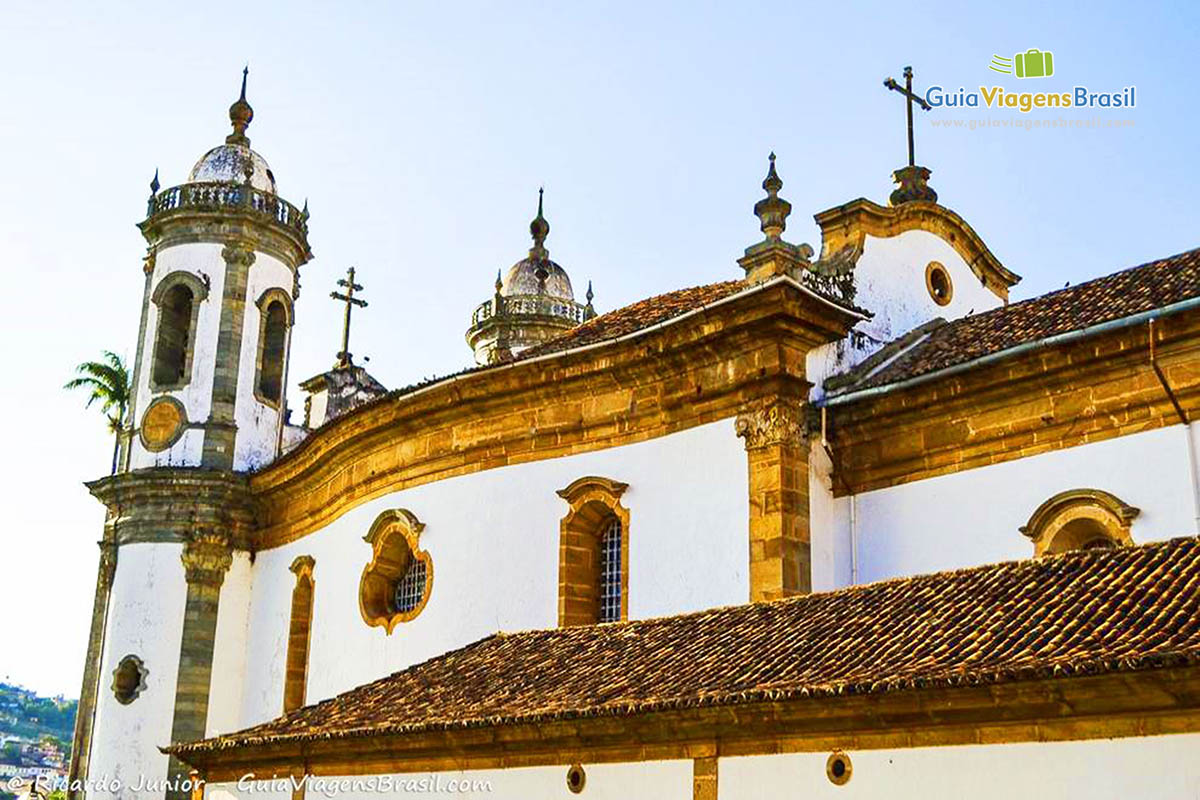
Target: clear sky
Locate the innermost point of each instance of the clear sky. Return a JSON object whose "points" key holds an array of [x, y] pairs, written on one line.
{"points": [[421, 132]]}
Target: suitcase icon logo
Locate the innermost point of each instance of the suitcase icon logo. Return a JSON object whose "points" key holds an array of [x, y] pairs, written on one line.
{"points": [[1033, 63]]}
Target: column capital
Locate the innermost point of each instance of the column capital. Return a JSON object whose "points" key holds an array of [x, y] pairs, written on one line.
{"points": [[108, 563], [776, 423], [241, 254], [206, 558]]}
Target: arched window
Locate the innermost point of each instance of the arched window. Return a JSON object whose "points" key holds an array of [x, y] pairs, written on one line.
{"points": [[593, 563], [395, 586], [270, 378], [1080, 519], [174, 335], [178, 298], [295, 681]]}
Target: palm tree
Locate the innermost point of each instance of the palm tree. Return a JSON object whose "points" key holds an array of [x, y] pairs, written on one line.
{"points": [[108, 382]]}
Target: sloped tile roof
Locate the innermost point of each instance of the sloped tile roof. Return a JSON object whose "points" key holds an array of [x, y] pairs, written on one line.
{"points": [[1077, 613], [1123, 294], [636, 317]]}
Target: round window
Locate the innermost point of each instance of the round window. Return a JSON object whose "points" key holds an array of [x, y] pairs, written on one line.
{"points": [[937, 281], [838, 768], [576, 778]]}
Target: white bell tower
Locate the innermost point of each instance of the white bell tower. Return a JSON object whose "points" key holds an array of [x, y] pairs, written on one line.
{"points": [[222, 273]]}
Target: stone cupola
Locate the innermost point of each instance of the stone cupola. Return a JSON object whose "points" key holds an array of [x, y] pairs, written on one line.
{"points": [[532, 303]]}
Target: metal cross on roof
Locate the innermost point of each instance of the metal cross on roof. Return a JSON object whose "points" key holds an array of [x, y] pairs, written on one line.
{"points": [[907, 91], [343, 357]]}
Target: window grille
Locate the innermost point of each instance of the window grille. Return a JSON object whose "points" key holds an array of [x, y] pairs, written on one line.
{"points": [[410, 589], [610, 572]]}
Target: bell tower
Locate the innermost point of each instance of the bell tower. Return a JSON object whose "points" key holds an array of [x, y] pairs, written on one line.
{"points": [[222, 274]]}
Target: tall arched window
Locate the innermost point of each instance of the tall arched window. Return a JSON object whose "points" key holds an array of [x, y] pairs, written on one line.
{"points": [[174, 335], [177, 297], [295, 681], [276, 309], [593, 561], [270, 379]]}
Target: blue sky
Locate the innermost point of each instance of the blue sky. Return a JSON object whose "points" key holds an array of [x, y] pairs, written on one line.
{"points": [[421, 132]]}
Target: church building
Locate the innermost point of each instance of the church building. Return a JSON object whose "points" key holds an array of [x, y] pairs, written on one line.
{"points": [[847, 524]]}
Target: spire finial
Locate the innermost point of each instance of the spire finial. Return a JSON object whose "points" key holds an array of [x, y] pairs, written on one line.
{"points": [[539, 229], [772, 210], [240, 115], [154, 184], [589, 310], [499, 282]]}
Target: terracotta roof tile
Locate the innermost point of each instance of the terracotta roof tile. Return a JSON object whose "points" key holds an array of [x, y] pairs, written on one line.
{"points": [[637, 316], [1081, 612], [1122, 294]]}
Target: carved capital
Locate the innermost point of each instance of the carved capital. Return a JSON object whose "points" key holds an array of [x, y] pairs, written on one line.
{"points": [[207, 557], [778, 423], [235, 254]]}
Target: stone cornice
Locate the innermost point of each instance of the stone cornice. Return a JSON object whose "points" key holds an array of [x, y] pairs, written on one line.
{"points": [[698, 370], [1046, 399], [177, 504]]}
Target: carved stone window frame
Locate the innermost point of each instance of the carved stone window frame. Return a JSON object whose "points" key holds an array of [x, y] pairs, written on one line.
{"points": [[593, 500], [299, 647], [199, 289], [1049, 521], [127, 663], [395, 541], [272, 295]]}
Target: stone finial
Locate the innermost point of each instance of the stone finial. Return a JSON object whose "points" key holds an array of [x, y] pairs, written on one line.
{"points": [[154, 184], [773, 210], [539, 229], [912, 183], [240, 115], [499, 282], [589, 310]]}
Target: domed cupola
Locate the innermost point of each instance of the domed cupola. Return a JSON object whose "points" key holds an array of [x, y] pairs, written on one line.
{"points": [[532, 303], [230, 162]]}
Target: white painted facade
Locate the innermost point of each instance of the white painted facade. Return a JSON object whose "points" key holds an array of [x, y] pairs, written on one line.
{"points": [[145, 619], [889, 280], [494, 540], [1154, 767]]}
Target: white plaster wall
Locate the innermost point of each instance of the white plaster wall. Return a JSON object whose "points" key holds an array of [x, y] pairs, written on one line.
{"points": [[648, 779], [890, 282], [145, 619], [1100, 769], [493, 538], [257, 423], [203, 260], [972, 517], [229, 648]]}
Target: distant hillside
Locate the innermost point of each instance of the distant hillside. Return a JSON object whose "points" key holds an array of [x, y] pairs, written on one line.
{"points": [[25, 714]]}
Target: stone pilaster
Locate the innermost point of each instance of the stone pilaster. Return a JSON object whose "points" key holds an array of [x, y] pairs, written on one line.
{"points": [[131, 420], [704, 778], [207, 556], [85, 715], [221, 428], [777, 460]]}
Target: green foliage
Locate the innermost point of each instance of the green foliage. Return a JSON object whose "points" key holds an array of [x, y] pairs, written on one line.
{"points": [[106, 381]]}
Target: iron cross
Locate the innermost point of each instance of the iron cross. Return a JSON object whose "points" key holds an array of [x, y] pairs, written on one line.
{"points": [[907, 91], [351, 301]]}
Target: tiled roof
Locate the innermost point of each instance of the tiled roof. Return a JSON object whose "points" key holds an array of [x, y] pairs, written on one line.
{"points": [[1082, 612], [636, 317], [1123, 294]]}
